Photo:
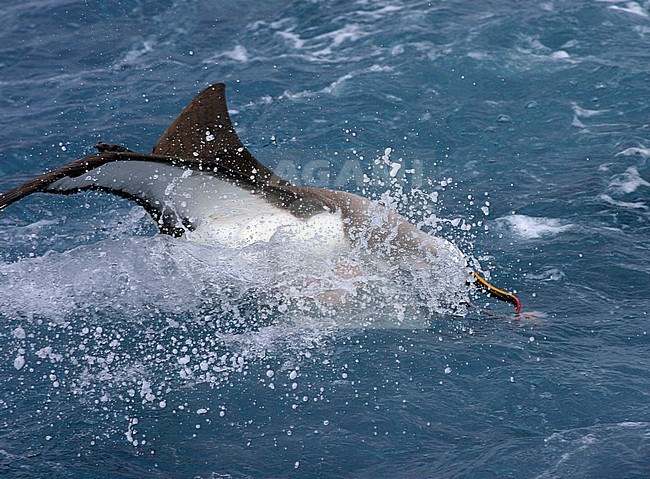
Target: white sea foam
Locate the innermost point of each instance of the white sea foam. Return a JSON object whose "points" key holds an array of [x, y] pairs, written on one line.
{"points": [[577, 123], [334, 87], [180, 301], [567, 451], [560, 55], [532, 50], [628, 182], [293, 38], [641, 150], [548, 274], [238, 54], [171, 293], [135, 56], [319, 48], [93, 276], [631, 205], [172, 276], [324, 44], [631, 7], [348, 33], [580, 112], [19, 362], [642, 30], [480, 56], [585, 113], [530, 227], [380, 12], [323, 47]]}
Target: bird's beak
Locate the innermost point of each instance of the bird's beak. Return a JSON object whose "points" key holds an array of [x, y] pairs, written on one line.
{"points": [[497, 293]]}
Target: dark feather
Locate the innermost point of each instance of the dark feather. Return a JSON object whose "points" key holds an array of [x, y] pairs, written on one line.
{"points": [[201, 139]]}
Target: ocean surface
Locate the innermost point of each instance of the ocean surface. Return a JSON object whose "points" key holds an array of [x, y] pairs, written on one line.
{"points": [[518, 130]]}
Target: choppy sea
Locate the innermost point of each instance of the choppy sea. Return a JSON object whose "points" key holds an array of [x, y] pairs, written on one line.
{"points": [[518, 130]]}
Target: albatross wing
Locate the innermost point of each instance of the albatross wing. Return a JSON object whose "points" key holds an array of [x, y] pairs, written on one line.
{"points": [[199, 170]]}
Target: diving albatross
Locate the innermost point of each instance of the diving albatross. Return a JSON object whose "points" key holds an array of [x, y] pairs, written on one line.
{"points": [[200, 182]]}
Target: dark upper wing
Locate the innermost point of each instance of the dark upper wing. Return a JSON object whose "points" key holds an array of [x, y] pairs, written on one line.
{"points": [[203, 130], [134, 176], [42, 182], [177, 193]]}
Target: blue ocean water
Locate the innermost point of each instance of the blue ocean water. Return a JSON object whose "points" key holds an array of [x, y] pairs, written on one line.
{"points": [[520, 131]]}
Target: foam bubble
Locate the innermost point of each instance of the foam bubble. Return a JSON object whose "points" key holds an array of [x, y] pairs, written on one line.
{"points": [[19, 333], [560, 55], [19, 362], [548, 274], [530, 227]]}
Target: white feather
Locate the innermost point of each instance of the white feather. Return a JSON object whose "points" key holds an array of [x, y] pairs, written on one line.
{"points": [[221, 212]]}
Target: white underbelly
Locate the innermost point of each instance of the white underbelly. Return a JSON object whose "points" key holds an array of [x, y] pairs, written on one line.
{"points": [[322, 232]]}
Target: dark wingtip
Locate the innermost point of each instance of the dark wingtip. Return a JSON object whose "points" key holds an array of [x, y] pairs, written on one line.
{"points": [[104, 147], [218, 87]]}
